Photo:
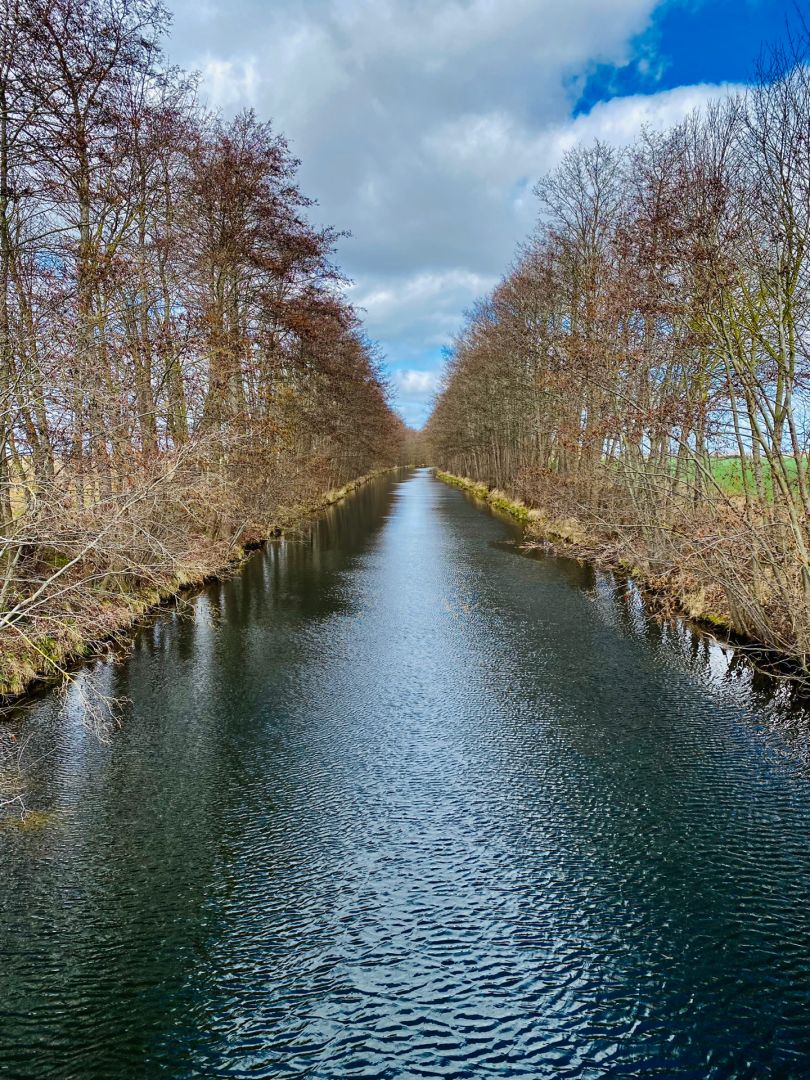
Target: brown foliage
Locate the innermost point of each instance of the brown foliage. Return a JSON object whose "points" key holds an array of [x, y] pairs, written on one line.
{"points": [[178, 363]]}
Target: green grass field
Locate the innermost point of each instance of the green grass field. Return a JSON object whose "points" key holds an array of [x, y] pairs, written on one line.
{"points": [[728, 472]]}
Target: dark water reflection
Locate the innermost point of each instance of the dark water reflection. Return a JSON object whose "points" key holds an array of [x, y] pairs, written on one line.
{"points": [[400, 803]]}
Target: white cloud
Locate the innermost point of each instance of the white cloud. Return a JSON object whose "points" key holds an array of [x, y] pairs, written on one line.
{"points": [[620, 119], [417, 313], [496, 150], [416, 385], [422, 126], [415, 389], [230, 83], [397, 302], [363, 88]]}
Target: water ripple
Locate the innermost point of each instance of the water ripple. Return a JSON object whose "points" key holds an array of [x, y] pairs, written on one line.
{"points": [[399, 804]]}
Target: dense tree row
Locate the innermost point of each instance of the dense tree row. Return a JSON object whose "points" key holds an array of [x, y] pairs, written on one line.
{"points": [[176, 358], [644, 366]]}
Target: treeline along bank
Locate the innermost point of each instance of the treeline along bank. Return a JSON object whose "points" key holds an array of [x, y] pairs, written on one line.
{"points": [[641, 374], [179, 367]]}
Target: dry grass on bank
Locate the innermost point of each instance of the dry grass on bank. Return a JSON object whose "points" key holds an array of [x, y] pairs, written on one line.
{"points": [[81, 577], [710, 562]]}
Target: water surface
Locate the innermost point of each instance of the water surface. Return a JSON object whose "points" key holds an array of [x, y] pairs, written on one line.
{"points": [[400, 802]]}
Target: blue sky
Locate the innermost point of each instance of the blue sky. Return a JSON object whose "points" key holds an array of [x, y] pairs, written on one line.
{"points": [[422, 125], [694, 41]]}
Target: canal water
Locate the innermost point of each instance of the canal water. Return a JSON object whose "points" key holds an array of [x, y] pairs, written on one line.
{"points": [[398, 801]]}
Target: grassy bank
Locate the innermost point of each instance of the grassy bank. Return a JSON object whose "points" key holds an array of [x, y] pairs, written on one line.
{"points": [[496, 498], [92, 608]]}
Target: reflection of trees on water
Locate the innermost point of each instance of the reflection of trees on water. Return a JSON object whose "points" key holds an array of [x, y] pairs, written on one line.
{"points": [[780, 700], [299, 572]]}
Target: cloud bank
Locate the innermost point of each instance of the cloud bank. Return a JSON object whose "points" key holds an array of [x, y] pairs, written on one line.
{"points": [[422, 126]]}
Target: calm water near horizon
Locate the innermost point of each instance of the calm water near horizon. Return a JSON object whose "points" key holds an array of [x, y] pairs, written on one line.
{"points": [[399, 801]]}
